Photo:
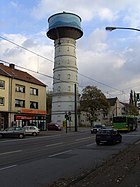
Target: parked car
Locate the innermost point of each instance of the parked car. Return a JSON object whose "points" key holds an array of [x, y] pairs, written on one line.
{"points": [[96, 128], [10, 132], [54, 126], [31, 130], [108, 136]]}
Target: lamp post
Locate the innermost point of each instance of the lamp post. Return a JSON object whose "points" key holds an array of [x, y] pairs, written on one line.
{"points": [[128, 28]]}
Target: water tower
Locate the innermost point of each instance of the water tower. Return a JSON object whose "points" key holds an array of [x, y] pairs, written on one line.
{"points": [[64, 29]]}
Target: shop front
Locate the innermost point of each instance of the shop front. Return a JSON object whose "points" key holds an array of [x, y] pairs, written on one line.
{"points": [[27, 117], [3, 120]]}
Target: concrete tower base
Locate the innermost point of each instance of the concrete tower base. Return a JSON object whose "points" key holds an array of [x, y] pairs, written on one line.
{"points": [[65, 77]]}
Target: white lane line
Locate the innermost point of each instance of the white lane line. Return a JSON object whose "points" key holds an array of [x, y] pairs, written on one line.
{"points": [[130, 134], [60, 143], [8, 167], [50, 156], [90, 144], [86, 138], [137, 142], [10, 152]]}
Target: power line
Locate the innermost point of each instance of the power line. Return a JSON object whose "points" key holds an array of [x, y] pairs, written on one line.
{"points": [[26, 49], [99, 82], [52, 61], [49, 75]]}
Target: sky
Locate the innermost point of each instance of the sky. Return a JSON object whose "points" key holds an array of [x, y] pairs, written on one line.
{"points": [[108, 60]]}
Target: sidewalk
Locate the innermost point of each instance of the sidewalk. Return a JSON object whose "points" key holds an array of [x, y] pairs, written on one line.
{"points": [[121, 171], [133, 176]]}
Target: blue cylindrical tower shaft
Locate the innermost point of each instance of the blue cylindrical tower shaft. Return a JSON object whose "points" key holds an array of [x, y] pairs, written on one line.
{"points": [[64, 29]]}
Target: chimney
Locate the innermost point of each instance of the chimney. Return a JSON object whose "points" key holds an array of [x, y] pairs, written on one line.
{"points": [[12, 66]]}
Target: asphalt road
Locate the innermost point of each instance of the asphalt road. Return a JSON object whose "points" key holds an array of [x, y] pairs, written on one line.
{"points": [[39, 161]]}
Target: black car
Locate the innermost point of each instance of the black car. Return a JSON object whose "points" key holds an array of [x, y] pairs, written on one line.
{"points": [[96, 128], [108, 136]]}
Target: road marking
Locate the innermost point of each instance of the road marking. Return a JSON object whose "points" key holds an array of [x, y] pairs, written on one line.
{"points": [[54, 144], [90, 144], [137, 142], [8, 167], [50, 156], [83, 138], [10, 152], [31, 138], [130, 135]]}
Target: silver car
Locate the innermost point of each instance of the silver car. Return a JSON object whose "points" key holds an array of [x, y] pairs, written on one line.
{"points": [[31, 130], [10, 132], [96, 128]]}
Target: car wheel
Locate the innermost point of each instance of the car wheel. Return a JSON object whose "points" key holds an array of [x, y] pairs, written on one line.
{"points": [[113, 142], [34, 134], [98, 142], [21, 136], [120, 140]]}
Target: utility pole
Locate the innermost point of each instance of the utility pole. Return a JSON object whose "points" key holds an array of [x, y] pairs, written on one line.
{"points": [[75, 94]]}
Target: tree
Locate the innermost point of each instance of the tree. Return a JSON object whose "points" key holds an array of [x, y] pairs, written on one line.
{"points": [[93, 102], [131, 109]]}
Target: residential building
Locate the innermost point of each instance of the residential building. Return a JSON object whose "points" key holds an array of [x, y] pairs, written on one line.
{"points": [[22, 98], [116, 108]]}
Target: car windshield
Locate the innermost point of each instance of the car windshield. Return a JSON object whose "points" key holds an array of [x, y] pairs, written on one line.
{"points": [[105, 131], [9, 129], [17, 128], [98, 126]]}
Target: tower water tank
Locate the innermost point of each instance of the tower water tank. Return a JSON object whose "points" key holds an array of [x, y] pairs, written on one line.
{"points": [[64, 29]]}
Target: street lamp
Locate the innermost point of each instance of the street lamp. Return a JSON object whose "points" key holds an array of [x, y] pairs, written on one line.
{"points": [[114, 28]]}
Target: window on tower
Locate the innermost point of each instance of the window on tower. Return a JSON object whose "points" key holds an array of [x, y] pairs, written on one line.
{"points": [[68, 76], [69, 88], [58, 76], [58, 89]]}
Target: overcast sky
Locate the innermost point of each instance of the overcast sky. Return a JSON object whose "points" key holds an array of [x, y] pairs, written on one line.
{"points": [[108, 60]]}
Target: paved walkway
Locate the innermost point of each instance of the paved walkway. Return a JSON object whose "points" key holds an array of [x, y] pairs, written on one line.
{"points": [[121, 171]]}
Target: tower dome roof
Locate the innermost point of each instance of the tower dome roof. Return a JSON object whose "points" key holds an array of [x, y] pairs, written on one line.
{"points": [[64, 25]]}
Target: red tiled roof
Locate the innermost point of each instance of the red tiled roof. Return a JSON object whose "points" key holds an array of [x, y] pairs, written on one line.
{"points": [[10, 71]]}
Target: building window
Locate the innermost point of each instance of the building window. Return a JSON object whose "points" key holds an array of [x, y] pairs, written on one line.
{"points": [[68, 75], [1, 101], [59, 88], [19, 103], [20, 88], [58, 76], [33, 91], [2, 84], [69, 88], [33, 104]]}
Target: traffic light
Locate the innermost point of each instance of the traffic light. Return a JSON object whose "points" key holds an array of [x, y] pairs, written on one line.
{"points": [[138, 96], [66, 116]]}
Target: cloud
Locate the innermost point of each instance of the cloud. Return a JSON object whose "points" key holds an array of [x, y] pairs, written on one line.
{"points": [[14, 4], [103, 9], [87, 11], [110, 58], [26, 59]]}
